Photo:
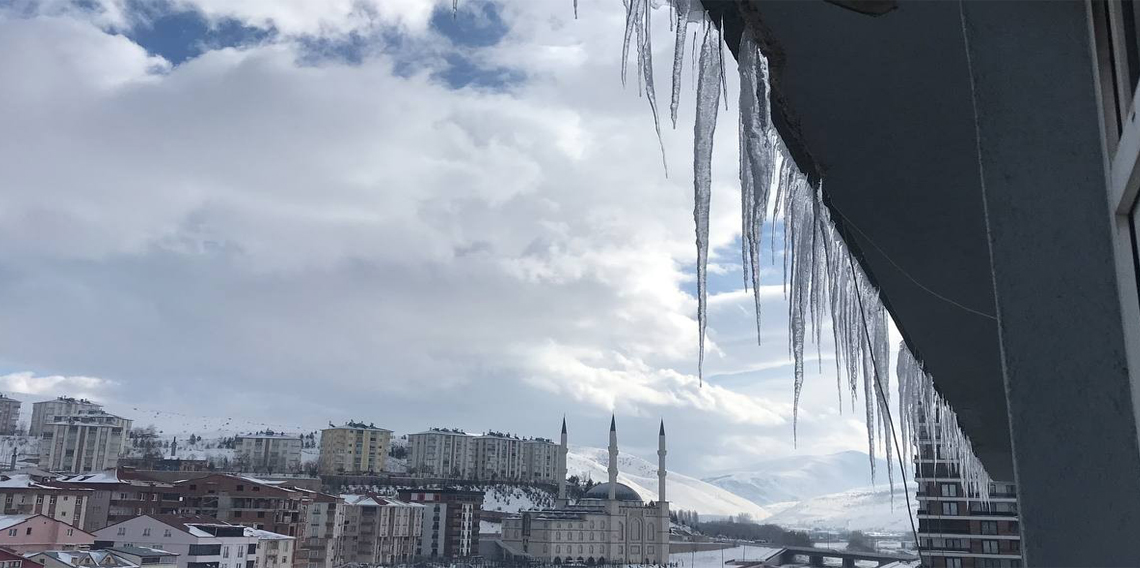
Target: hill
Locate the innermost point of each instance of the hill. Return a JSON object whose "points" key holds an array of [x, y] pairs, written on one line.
{"points": [[795, 478], [866, 508]]}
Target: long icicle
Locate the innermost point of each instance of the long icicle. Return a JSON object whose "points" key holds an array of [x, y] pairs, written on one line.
{"points": [[708, 97]]}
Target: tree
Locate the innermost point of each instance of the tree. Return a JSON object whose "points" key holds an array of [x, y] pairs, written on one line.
{"points": [[857, 541]]}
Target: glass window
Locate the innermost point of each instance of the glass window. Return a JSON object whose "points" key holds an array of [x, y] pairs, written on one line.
{"points": [[949, 490], [949, 508], [990, 546], [989, 527], [953, 563]]}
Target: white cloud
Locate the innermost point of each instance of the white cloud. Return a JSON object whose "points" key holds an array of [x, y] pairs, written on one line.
{"points": [[44, 386], [340, 238]]}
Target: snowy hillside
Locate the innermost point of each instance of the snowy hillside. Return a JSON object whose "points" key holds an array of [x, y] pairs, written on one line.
{"points": [[796, 478], [866, 508], [512, 499], [683, 492]]}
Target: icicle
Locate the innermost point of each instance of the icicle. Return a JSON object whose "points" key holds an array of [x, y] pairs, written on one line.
{"points": [[630, 21], [454, 9], [708, 97], [575, 9], [682, 17], [637, 19]]}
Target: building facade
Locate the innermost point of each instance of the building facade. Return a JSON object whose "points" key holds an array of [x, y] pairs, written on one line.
{"points": [[450, 521], [82, 442], [957, 529], [354, 448], [610, 524], [268, 453], [453, 454], [28, 534], [321, 546], [9, 415], [246, 501], [119, 494], [57, 409], [200, 542], [380, 530], [21, 495], [273, 550]]}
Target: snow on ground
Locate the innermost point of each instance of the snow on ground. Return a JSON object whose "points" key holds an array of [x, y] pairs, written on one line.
{"points": [[683, 492], [25, 447], [717, 558], [489, 528], [799, 477], [512, 498], [867, 508]]}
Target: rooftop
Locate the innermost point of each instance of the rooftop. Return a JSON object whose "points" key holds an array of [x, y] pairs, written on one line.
{"points": [[141, 551], [13, 520]]}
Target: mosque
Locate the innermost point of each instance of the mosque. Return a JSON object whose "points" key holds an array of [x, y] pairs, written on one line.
{"points": [[610, 524]]}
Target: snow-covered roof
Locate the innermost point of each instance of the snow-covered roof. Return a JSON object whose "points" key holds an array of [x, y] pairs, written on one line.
{"points": [[373, 500], [141, 551], [266, 535], [19, 481], [7, 521], [105, 476]]}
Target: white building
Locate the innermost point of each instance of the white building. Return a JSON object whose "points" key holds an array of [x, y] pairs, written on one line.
{"points": [[82, 443], [58, 409], [380, 530], [9, 415], [453, 454], [324, 530], [200, 542], [354, 448], [609, 524], [268, 452], [273, 550]]}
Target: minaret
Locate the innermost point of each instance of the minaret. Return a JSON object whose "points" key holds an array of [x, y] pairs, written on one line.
{"points": [[661, 463], [560, 466], [613, 470]]}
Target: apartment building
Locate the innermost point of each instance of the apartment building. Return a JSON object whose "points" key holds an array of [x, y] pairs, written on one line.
{"points": [[12, 560], [268, 452], [957, 529], [81, 443], [494, 456], [116, 495], [450, 521], [380, 530], [200, 542], [9, 415], [321, 545], [22, 495], [32, 533], [57, 409], [246, 501], [273, 550], [354, 448]]}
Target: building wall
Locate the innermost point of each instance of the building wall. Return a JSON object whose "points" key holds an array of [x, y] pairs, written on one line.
{"points": [[321, 546], [9, 415], [48, 410], [380, 530], [540, 459], [269, 453], [38, 534], [243, 502], [450, 521], [441, 454], [275, 553], [82, 444], [354, 450], [633, 535], [69, 506], [490, 457], [234, 552]]}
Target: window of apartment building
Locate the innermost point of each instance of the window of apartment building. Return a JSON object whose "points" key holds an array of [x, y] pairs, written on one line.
{"points": [[989, 527], [146, 531], [949, 490], [166, 533], [12, 532], [949, 508], [953, 563], [70, 532], [122, 531], [990, 546]]}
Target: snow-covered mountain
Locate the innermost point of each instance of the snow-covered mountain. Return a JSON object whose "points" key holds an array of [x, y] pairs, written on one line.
{"points": [[796, 478], [683, 492], [866, 508]]}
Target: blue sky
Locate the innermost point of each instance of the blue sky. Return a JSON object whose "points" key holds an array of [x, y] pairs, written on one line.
{"points": [[309, 212]]}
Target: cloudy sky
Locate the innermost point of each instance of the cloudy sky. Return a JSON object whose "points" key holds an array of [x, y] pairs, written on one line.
{"points": [[303, 212]]}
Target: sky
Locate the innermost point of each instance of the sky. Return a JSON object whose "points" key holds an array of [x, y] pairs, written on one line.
{"points": [[308, 212]]}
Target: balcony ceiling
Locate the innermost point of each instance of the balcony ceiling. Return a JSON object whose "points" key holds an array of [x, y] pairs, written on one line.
{"points": [[881, 108]]}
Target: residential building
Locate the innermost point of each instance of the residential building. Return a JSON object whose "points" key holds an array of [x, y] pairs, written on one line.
{"points": [[268, 452], [84, 442], [450, 521], [119, 494], [9, 415], [494, 456], [199, 542], [145, 556], [956, 528], [82, 559], [380, 530], [246, 501], [57, 409], [31, 533], [9, 559], [354, 448], [20, 494], [273, 550], [321, 545], [610, 524]]}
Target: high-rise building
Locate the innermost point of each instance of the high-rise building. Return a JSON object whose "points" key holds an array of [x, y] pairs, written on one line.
{"points": [[268, 452], [450, 521], [90, 441], [58, 409], [248, 502], [321, 546], [118, 494], [354, 448], [494, 456], [9, 415], [380, 530], [956, 529]]}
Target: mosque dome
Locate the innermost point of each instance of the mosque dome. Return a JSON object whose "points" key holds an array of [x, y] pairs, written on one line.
{"points": [[602, 491]]}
